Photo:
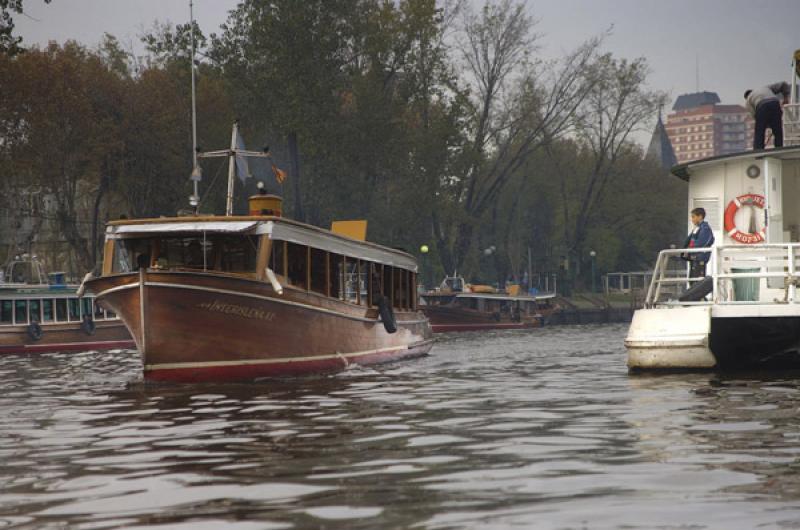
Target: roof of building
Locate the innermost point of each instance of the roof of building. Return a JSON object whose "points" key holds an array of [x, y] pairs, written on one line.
{"points": [[660, 147], [695, 99]]}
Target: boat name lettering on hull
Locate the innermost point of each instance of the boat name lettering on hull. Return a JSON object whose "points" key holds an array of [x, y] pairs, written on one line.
{"points": [[237, 310]]}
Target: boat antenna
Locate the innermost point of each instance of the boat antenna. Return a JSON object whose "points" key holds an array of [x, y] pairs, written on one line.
{"points": [[235, 154], [197, 174]]}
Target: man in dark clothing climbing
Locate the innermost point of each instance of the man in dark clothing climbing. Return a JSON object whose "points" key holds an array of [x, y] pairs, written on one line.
{"points": [[701, 237], [764, 106]]}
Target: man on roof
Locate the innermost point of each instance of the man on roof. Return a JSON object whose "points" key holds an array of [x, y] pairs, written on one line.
{"points": [[764, 106]]}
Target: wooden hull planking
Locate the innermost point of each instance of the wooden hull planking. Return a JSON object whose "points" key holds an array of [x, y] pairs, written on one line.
{"points": [[204, 327]]}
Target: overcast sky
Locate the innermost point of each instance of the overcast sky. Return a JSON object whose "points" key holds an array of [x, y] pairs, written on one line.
{"points": [[738, 43]]}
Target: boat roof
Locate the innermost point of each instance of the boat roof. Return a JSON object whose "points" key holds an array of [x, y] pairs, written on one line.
{"points": [[277, 228], [684, 171], [492, 296]]}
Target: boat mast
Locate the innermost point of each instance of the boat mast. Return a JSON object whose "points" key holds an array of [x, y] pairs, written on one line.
{"points": [[232, 153], [231, 169], [196, 174]]}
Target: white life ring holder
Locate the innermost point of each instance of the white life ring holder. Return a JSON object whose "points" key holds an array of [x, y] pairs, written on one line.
{"points": [[748, 199]]}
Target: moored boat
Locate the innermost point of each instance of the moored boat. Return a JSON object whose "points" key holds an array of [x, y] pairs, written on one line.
{"points": [[39, 312], [458, 306], [745, 312], [242, 297]]}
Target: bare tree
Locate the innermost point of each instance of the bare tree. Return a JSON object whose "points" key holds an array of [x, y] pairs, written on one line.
{"points": [[519, 104], [617, 105]]}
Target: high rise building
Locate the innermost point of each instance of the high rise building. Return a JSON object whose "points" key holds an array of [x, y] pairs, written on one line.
{"points": [[700, 126]]}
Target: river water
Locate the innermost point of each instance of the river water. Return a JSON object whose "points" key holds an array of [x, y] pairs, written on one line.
{"points": [[534, 429]]}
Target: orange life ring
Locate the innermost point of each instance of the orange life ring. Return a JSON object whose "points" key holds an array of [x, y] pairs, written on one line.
{"points": [[749, 199]]}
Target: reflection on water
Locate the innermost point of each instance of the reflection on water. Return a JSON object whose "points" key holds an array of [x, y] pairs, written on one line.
{"points": [[516, 429]]}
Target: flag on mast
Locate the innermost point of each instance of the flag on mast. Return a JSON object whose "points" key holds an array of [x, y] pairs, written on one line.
{"points": [[280, 175]]}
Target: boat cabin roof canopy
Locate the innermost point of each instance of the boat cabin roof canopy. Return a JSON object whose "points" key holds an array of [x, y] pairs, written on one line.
{"points": [[684, 171], [276, 228]]}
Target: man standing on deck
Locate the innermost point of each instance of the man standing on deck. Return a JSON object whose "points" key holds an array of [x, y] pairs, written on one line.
{"points": [[765, 107], [701, 237]]}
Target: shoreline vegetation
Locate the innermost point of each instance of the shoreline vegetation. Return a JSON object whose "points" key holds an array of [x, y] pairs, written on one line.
{"points": [[441, 124]]}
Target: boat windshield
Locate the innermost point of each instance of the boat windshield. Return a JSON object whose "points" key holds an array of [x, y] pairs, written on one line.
{"points": [[205, 252]]}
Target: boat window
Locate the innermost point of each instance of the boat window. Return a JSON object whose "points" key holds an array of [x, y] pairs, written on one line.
{"points": [[35, 307], [74, 309], [412, 290], [354, 281], [131, 254], [375, 283], [337, 276], [229, 253], [277, 257], [386, 282], [319, 271], [6, 309], [86, 306], [297, 257], [111, 314], [398, 281], [47, 310], [99, 314], [20, 311], [238, 253], [61, 309]]}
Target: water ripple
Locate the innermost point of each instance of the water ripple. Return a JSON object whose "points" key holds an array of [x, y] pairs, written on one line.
{"points": [[537, 429]]}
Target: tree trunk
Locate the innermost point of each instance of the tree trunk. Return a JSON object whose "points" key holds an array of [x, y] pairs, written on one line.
{"points": [[101, 191]]}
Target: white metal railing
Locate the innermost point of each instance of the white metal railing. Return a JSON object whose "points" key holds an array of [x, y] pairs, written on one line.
{"points": [[771, 269], [791, 124], [625, 282]]}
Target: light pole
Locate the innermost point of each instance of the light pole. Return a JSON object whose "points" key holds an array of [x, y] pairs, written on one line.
{"points": [[425, 268], [593, 255]]}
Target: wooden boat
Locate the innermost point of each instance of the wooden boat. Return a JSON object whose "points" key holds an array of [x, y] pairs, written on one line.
{"points": [[40, 313], [457, 306], [242, 297]]}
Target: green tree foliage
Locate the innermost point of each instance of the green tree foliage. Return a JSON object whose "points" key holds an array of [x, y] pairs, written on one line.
{"points": [[10, 43], [438, 123]]}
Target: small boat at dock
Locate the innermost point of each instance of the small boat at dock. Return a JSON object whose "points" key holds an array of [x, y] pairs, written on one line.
{"points": [[458, 306], [39, 312]]}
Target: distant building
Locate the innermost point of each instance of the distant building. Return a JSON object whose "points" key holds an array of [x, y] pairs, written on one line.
{"points": [[660, 148], [700, 127]]}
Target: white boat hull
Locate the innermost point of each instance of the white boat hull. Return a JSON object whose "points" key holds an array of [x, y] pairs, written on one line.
{"points": [[670, 338]]}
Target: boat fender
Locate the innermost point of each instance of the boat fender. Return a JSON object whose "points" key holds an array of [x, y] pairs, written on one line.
{"points": [[276, 285], [698, 291], [387, 314], [35, 331], [82, 288], [88, 325]]}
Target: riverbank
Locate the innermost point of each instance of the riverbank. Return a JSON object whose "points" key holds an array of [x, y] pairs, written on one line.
{"points": [[588, 308]]}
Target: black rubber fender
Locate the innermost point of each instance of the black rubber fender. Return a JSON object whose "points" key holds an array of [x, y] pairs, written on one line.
{"points": [[35, 331], [387, 314], [698, 291], [88, 325]]}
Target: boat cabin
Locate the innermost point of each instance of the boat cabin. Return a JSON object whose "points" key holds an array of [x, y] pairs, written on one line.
{"points": [[297, 256], [28, 294], [752, 203]]}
